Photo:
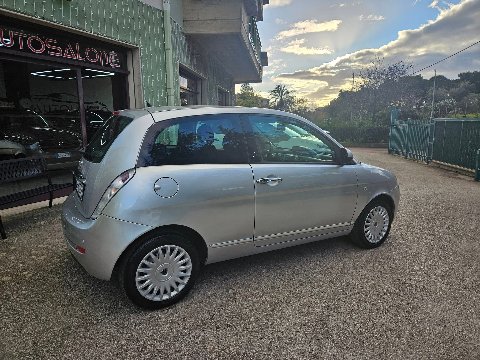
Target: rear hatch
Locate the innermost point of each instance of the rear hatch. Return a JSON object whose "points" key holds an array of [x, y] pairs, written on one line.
{"points": [[114, 149]]}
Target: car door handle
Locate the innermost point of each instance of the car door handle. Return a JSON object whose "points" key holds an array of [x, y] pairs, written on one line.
{"points": [[268, 180]]}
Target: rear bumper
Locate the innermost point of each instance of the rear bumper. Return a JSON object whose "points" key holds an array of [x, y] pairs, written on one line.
{"points": [[103, 239]]}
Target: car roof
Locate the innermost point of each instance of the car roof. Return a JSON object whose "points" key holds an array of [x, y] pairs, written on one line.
{"points": [[168, 112]]}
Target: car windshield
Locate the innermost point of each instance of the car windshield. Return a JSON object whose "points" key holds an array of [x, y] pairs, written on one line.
{"points": [[104, 137]]}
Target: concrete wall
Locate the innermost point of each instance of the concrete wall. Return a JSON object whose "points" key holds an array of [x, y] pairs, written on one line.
{"points": [[191, 56]]}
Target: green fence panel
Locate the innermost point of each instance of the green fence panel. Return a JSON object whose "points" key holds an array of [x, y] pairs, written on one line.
{"points": [[450, 141], [456, 142], [411, 139], [438, 139], [470, 144], [477, 166], [417, 135]]}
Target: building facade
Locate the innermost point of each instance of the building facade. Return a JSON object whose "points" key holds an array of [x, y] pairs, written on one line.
{"points": [[66, 65]]}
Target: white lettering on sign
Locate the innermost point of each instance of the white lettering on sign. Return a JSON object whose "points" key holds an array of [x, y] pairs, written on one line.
{"points": [[50, 46]]}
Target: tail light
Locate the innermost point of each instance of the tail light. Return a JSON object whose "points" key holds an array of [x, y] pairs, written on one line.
{"points": [[114, 187]]}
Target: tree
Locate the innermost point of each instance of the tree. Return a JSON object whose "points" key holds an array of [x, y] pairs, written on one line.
{"points": [[472, 77], [282, 98], [462, 89], [380, 83], [248, 98], [471, 104]]}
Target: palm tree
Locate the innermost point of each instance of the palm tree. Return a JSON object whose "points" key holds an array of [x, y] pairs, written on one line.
{"points": [[281, 97]]}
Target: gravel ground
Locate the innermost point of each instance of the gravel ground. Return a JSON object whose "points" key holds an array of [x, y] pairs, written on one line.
{"points": [[416, 297]]}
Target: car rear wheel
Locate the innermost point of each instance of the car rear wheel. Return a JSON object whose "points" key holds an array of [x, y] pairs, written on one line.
{"points": [[160, 271], [373, 225]]}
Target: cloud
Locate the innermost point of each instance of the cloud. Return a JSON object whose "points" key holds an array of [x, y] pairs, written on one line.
{"points": [[278, 3], [279, 21], [341, 5], [309, 26], [303, 87], [371, 17], [452, 30], [296, 47], [273, 67], [441, 6]]}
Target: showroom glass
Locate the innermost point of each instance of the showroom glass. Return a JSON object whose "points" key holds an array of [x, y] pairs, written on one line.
{"points": [[196, 140], [39, 104], [104, 137], [279, 139], [103, 91]]}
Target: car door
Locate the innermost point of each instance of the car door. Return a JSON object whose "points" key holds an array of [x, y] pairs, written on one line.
{"points": [[301, 190]]}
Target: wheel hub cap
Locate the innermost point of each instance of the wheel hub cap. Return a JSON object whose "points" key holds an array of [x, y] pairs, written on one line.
{"points": [[163, 272], [376, 224]]}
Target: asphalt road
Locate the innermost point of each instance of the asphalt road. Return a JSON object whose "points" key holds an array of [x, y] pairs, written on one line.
{"points": [[416, 297]]}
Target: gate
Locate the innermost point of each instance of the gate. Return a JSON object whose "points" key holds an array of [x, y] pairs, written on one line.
{"points": [[411, 138], [449, 141]]}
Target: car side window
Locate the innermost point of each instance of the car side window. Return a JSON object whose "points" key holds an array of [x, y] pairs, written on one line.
{"points": [[214, 139], [282, 139]]}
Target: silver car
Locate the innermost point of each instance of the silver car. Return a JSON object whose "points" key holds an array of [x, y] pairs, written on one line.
{"points": [[160, 192]]}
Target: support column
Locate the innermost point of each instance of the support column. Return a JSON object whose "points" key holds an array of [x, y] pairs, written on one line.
{"points": [[167, 30]]}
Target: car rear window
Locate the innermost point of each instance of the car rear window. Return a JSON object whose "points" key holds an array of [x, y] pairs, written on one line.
{"points": [[201, 139], [105, 136]]}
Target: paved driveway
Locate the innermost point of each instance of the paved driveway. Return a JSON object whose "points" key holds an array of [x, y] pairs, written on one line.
{"points": [[416, 297]]}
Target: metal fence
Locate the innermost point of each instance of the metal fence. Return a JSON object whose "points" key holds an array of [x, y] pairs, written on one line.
{"points": [[450, 141], [457, 142], [410, 138]]}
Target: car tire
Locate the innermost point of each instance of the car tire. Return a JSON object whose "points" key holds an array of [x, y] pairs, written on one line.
{"points": [[373, 225], [160, 271]]}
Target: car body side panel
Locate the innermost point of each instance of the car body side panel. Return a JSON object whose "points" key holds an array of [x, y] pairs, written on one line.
{"points": [[311, 199], [372, 182], [217, 201], [222, 252]]}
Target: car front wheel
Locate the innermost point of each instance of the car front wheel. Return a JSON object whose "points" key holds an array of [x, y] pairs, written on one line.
{"points": [[160, 271], [373, 225]]}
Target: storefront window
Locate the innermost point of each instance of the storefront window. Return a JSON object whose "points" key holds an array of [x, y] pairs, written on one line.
{"points": [[56, 90], [39, 111], [104, 92]]}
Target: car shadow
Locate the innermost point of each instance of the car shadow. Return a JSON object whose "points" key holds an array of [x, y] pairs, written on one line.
{"points": [[107, 299]]}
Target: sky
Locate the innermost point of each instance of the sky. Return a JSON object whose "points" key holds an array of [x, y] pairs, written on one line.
{"points": [[315, 46]]}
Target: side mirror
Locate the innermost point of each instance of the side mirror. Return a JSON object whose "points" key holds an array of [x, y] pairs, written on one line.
{"points": [[346, 156]]}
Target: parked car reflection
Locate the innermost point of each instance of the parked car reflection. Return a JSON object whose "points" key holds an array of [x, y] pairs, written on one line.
{"points": [[26, 127]]}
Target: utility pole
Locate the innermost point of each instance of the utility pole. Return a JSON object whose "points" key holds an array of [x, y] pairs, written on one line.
{"points": [[353, 89], [433, 95]]}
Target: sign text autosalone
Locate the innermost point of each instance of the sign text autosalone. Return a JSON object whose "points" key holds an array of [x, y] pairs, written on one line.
{"points": [[19, 40]]}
